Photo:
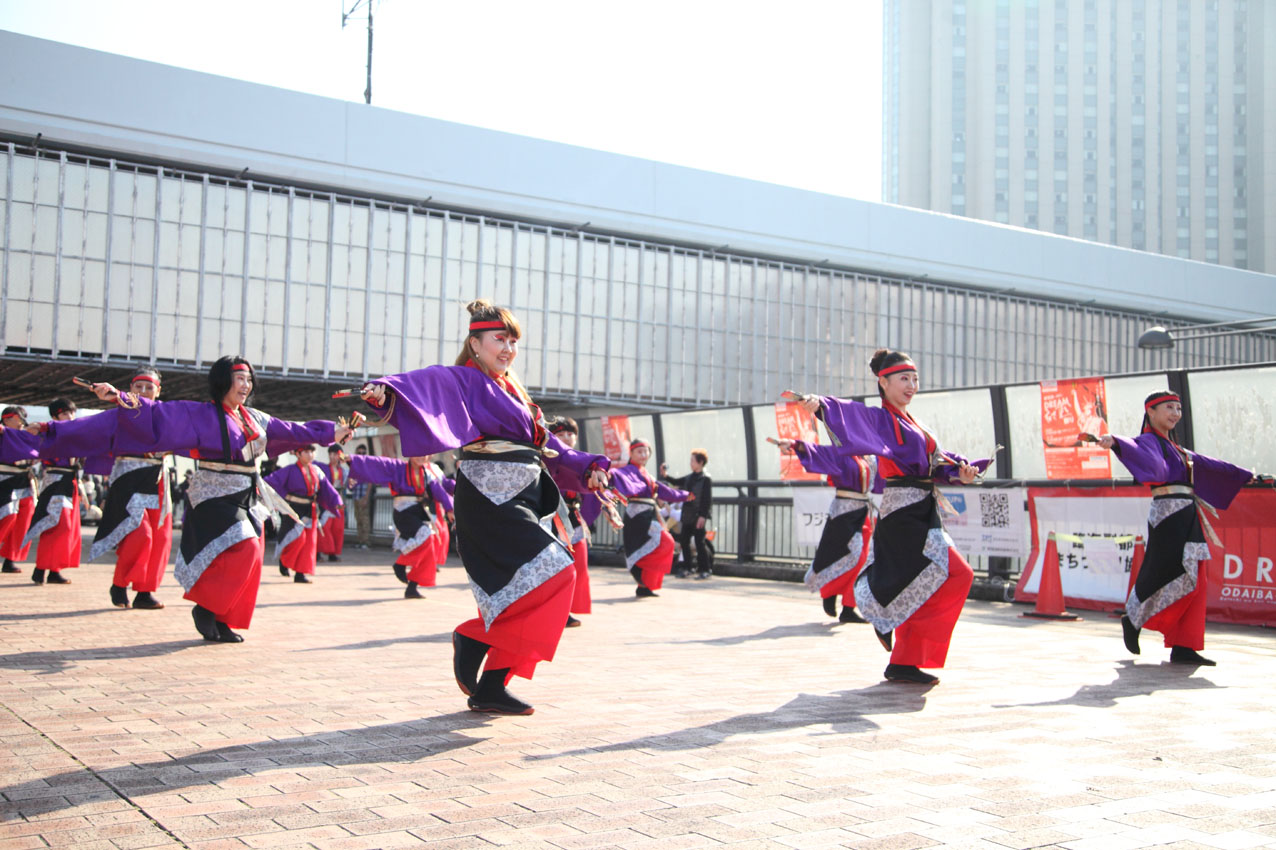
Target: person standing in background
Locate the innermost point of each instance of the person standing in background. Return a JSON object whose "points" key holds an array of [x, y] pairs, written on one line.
{"points": [[361, 498], [695, 513]]}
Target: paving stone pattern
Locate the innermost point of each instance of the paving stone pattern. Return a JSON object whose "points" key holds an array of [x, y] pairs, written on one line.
{"points": [[728, 712]]}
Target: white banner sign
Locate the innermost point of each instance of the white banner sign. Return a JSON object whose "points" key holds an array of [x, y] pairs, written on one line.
{"points": [[988, 522], [810, 512], [1095, 539]]}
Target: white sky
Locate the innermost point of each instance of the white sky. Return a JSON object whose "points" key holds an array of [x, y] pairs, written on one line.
{"points": [[787, 93]]}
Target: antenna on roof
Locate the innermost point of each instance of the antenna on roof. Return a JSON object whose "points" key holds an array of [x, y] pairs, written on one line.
{"points": [[345, 16]]}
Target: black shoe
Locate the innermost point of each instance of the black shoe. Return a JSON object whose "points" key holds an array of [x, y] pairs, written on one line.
{"points": [[412, 592], [572, 622], [704, 575], [850, 615], [225, 635], [332, 558], [680, 573], [283, 571], [9, 567], [830, 605], [467, 658], [146, 601], [37, 576], [1183, 655], [205, 622], [909, 673], [56, 577], [119, 596], [401, 573], [492, 698], [642, 591], [886, 639], [301, 578], [1130, 634]]}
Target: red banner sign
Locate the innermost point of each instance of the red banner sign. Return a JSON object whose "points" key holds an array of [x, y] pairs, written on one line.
{"points": [[616, 437], [1070, 409], [792, 422], [1096, 526]]}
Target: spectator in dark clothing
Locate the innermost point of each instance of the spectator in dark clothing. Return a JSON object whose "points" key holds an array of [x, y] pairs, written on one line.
{"points": [[695, 514]]}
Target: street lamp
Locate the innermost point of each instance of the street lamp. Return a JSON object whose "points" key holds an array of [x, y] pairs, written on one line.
{"points": [[1161, 337]]}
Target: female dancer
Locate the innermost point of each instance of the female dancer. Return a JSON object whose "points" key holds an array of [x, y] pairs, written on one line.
{"points": [[841, 553], [304, 486], [332, 524], [56, 520], [17, 489], [414, 490], [220, 558], [1169, 592], [509, 529], [137, 520], [582, 514], [648, 546], [914, 582]]}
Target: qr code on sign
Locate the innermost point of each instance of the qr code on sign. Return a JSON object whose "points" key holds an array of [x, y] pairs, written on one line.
{"points": [[994, 509]]}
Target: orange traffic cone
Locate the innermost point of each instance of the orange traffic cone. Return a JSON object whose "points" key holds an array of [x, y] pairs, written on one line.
{"points": [[1050, 593]]}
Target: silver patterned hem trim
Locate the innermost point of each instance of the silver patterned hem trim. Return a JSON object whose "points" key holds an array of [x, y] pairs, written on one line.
{"points": [[578, 534], [15, 502], [325, 516], [57, 504], [188, 573], [298, 528], [1164, 508], [551, 561], [207, 485], [125, 465], [138, 505], [887, 618], [842, 506], [653, 540], [499, 480], [895, 498], [815, 581], [424, 533], [1140, 611]]}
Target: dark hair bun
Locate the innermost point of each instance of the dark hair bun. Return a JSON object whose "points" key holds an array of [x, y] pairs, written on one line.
{"points": [[879, 357]]}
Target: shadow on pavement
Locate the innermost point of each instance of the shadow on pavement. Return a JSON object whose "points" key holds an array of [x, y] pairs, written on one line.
{"points": [[56, 615], [442, 637], [844, 711], [1133, 680], [63, 659], [388, 743], [773, 633]]}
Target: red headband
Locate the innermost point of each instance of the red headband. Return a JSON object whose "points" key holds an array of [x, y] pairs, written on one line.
{"points": [[906, 366], [241, 367], [495, 324], [137, 378], [635, 443], [1153, 402]]}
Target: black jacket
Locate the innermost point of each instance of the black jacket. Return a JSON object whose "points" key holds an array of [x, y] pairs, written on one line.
{"points": [[699, 484]]}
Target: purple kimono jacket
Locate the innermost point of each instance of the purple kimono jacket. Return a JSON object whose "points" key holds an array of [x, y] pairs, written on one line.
{"points": [[187, 427], [1152, 459], [440, 408], [289, 481], [839, 464], [865, 430], [393, 473]]}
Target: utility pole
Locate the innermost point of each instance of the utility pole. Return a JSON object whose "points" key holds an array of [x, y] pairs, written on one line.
{"points": [[345, 16]]}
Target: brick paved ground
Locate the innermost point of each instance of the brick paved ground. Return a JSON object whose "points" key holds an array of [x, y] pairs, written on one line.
{"points": [[726, 712]]}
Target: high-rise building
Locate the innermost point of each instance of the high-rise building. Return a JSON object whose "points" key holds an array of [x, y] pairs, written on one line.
{"points": [[1149, 124]]}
